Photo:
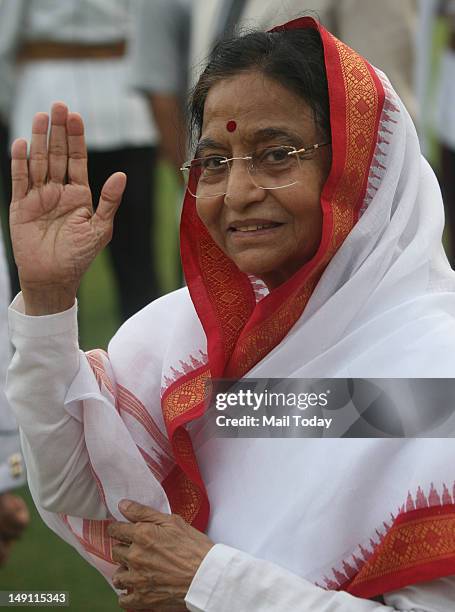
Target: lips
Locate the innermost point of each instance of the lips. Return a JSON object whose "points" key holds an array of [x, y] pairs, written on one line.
{"points": [[252, 225]]}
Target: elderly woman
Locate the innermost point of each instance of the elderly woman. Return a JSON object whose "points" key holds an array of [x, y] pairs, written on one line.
{"points": [[311, 243]]}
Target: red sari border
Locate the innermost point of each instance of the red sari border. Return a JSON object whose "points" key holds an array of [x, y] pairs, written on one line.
{"points": [[420, 546]]}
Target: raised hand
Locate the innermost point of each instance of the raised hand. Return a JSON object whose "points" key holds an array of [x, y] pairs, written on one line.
{"points": [[54, 231]]}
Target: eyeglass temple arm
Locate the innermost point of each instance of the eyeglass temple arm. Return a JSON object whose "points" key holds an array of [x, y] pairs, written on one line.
{"points": [[305, 149], [313, 147]]}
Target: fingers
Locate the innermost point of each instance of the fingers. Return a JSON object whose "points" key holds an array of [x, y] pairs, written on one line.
{"points": [[121, 531], [120, 554], [136, 512], [111, 196], [77, 150], [19, 169], [161, 602], [66, 152], [127, 601], [38, 150], [122, 578], [58, 143]]}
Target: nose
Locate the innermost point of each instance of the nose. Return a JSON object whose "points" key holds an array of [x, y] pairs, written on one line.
{"points": [[240, 189]]}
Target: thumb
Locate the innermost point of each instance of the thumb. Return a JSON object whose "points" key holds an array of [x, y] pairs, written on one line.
{"points": [[111, 196], [138, 513]]}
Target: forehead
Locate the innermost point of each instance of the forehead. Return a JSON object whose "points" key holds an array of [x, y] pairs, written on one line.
{"points": [[255, 102]]}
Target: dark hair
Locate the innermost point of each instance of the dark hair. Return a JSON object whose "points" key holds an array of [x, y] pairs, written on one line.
{"points": [[293, 58]]}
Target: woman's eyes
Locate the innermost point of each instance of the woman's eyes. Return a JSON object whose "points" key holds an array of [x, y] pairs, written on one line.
{"points": [[275, 154], [271, 155], [213, 162], [275, 157]]}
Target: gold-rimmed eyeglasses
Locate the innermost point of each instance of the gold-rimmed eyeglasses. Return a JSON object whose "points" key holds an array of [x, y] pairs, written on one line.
{"points": [[273, 167]]}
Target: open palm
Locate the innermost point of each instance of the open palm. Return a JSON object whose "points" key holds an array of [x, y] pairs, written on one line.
{"points": [[54, 231]]}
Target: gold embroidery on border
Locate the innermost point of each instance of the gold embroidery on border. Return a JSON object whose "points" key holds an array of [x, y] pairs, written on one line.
{"points": [[184, 447], [185, 396], [190, 500], [226, 295], [409, 545], [187, 497], [362, 108]]}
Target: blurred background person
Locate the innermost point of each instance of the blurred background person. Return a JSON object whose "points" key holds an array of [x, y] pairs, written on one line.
{"points": [[159, 56], [9, 23], [383, 32], [54, 44], [14, 515], [159, 71]]}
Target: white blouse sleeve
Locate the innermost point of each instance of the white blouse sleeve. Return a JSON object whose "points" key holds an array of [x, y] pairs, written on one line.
{"points": [[229, 579], [45, 362]]}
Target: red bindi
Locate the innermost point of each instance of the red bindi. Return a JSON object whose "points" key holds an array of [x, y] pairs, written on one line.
{"points": [[231, 126]]}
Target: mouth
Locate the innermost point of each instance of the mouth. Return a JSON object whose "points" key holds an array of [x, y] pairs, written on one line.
{"points": [[253, 228]]}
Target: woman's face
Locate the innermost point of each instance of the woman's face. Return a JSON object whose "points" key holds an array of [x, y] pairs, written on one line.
{"points": [[265, 114]]}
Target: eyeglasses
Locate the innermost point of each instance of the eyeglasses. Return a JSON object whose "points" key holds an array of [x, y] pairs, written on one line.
{"points": [[270, 168]]}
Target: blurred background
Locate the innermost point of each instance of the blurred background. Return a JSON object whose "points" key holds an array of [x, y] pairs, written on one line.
{"points": [[126, 66]]}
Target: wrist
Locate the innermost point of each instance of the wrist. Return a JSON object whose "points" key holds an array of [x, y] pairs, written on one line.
{"points": [[40, 302]]}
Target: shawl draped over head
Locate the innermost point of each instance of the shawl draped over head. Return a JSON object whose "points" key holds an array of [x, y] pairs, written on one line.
{"points": [[376, 300]]}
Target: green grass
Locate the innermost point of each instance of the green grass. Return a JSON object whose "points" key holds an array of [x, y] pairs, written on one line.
{"points": [[41, 560]]}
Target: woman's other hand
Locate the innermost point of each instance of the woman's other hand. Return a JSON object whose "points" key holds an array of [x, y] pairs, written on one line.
{"points": [[54, 231], [159, 555]]}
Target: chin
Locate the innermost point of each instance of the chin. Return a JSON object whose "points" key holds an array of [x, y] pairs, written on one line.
{"points": [[272, 272], [254, 267]]}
